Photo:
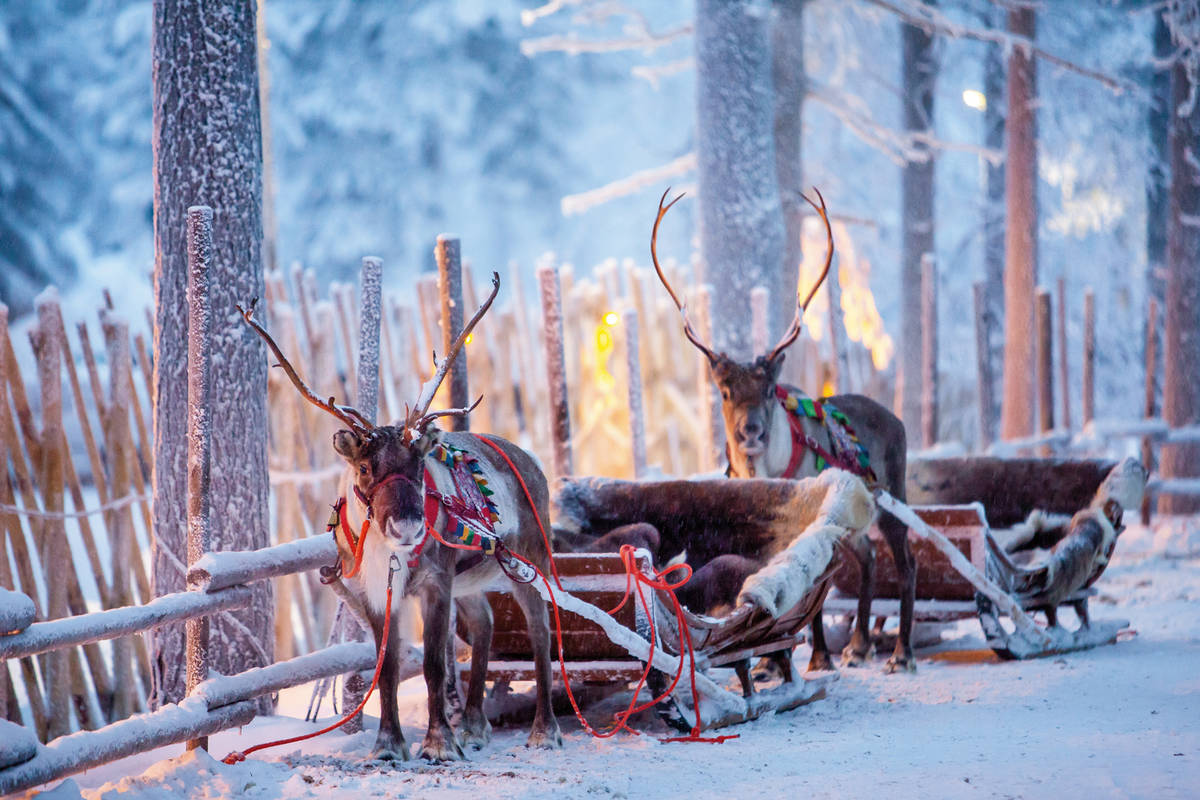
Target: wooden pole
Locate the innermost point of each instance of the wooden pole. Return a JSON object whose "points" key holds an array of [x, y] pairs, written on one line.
{"points": [[199, 507], [371, 304], [929, 347], [1064, 368], [758, 320], [556, 370], [637, 416], [448, 252], [1089, 355], [710, 402], [984, 370], [1149, 405], [1045, 365]]}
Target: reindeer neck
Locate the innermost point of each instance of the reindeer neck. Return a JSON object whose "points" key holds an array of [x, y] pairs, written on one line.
{"points": [[774, 462]]}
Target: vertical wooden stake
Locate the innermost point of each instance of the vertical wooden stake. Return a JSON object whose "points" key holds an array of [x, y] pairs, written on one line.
{"points": [[758, 320], [929, 348], [556, 370], [199, 432], [371, 280], [637, 416], [1045, 366], [983, 369], [1089, 355], [450, 289], [711, 425], [1064, 369], [1148, 408]]}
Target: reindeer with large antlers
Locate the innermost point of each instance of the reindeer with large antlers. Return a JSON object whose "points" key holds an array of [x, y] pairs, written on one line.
{"points": [[430, 509], [774, 431]]}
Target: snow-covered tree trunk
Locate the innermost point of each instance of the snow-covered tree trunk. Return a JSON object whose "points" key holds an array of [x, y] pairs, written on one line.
{"points": [[1181, 379], [993, 222], [208, 148], [1020, 243], [787, 72], [1158, 122], [919, 71], [741, 224]]}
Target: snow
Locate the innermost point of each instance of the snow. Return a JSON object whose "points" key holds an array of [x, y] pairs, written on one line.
{"points": [[1114, 721], [16, 611]]}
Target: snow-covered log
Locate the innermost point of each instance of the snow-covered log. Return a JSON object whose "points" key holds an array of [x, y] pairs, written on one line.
{"points": [[17, 611], [17, 744], [172, 723], [42, 637], [217, 571]]}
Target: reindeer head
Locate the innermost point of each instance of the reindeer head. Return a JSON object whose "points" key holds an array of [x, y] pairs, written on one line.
{"points": [[747, 388], [386, 461]]}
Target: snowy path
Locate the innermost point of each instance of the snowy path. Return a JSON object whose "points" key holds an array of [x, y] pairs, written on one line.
{"points": [[1118, 721]]}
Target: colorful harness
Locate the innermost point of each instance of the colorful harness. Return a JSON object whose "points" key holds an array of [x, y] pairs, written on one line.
{"points": [[848, 452], [470, 510]]}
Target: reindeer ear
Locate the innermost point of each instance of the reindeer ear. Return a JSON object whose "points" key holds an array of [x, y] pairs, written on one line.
{"points": [[425, 442], [347, 444], [774, 365]]}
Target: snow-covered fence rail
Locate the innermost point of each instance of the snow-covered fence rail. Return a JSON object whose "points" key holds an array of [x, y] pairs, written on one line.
{"points": [[218, 582]]}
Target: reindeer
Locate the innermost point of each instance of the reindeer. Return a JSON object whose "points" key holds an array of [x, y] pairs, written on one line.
{"points": [[386, 494], [763, 439]]}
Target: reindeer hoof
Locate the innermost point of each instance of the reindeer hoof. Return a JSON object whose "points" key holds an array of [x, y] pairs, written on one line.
{"points": [[820, 662], [900, 664], [390, 751], [441, 748], [856, 658], [475, 732], [547, 737]]}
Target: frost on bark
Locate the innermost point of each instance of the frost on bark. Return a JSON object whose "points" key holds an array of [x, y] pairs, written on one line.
{"points": [[993, 223], [787, 72], [919, 70], [1181, 380], [208, 149], [1020, 242], [741, 224], [1158, 122]]}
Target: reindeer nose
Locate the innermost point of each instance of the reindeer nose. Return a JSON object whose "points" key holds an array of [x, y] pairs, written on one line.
{"points": [[752, 429]]}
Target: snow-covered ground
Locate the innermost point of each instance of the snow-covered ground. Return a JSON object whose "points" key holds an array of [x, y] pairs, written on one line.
{"points": [[1119, 721]]}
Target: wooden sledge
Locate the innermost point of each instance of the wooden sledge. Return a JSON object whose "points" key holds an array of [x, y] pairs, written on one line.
{"points": [[961, 567]]}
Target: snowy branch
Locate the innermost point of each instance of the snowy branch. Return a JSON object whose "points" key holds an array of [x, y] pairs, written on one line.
{"points": [[218, 570], [930, 20], [571, 44], [652, 74], [584, 201]]}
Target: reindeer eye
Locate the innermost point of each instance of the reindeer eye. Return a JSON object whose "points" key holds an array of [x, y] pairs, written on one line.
{"points": [[725, 393], [362, 469]]}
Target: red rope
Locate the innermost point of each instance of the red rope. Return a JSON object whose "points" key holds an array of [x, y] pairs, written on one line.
{"points": [[240, 755], [529, 498]]}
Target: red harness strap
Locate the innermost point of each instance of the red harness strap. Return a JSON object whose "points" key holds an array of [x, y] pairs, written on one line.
{"points": [[802, 441]]}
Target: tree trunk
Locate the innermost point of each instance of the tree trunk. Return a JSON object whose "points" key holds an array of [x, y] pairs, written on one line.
{"points": [[741, 224], [1020, 269], [919, 71], [208, 149], [1158, 120], [1181, 379], [787, 72]]}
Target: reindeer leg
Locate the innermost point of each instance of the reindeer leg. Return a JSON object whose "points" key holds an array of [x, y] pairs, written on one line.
{"points": [[820, 659], [389, 744], [439, 744], [896, 534], [545, 732], [1081, 611], [861, 649], [474, 610]]}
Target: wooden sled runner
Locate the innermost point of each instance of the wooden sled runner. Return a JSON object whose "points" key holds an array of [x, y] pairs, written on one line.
{"points": [[1057, 546], [773, 607]]}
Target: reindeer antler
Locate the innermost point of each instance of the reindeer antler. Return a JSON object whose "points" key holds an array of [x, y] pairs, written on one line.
{"points": [[688, 331], [794, 330], [349, 416], [419, 416]]}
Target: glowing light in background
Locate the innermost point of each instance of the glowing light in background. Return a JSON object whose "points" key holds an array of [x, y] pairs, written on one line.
{"points": [[469, 339], [611, 318], [973, 98]]}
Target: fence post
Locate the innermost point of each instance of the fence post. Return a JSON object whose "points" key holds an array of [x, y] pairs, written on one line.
{"points": [[1045, 365], [983, 369], [637, 416], [758, 320], [929, 348], [369, 316], [199, 456], [450, 288], [1064, 367], [556, 370], [1151, 375], [711, 424], [1089, 355]]}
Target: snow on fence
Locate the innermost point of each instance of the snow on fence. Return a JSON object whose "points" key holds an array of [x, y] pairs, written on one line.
{"points": [[218, 582]]}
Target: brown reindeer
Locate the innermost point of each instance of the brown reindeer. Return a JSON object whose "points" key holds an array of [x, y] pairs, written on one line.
{"points": [[386, 486], [764, 440]]}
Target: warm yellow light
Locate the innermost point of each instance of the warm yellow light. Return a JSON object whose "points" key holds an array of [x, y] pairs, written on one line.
{"points": [[611, 318], [973, 98], [470, 338], [603, 340]]}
